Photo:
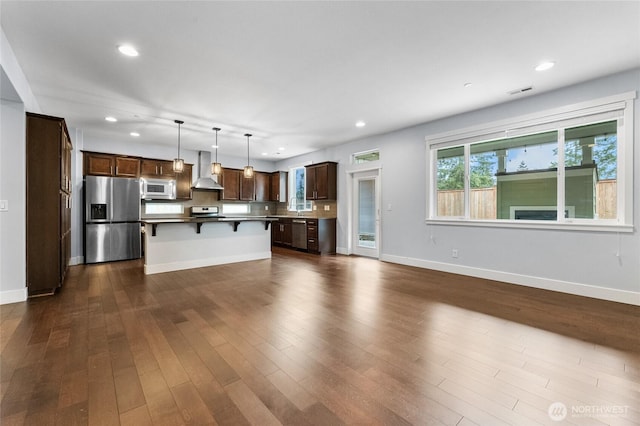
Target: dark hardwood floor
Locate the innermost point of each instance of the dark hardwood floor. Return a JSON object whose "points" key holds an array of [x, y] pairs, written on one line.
{"points": [[308, 340]]}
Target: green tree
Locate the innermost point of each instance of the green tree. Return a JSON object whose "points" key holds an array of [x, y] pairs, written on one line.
{"points": [[483, 170], [450, 173], [605, 155]]}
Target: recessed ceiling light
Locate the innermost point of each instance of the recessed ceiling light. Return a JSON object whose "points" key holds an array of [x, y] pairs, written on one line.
{"points": [[134, 134], [111, 119], [264, 153], [128, 50], [281, 148], [360, 123], [545, 66], [214, 146]]}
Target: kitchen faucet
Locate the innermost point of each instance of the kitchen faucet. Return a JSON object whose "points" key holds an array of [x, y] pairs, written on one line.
{"points": [[294, 203]]}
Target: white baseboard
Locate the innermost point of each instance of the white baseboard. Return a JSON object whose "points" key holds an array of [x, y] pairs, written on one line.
{"points": [[199, 263], [342, 250], [78, 260], [614, 295], [13, 296]]}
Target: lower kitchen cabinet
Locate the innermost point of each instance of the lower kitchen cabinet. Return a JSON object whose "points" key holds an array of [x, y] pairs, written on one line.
{"points": [[321, 236], [281, 232]]}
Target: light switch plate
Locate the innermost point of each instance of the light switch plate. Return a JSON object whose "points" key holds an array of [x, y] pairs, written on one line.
{"points": [[315, 207], [266, 207], [4, 205], [327, 208]]}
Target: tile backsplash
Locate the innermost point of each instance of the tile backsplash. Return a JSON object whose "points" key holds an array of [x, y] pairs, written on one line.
{"points": [[322, 209]]}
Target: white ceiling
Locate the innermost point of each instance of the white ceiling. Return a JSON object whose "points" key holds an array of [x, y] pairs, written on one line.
{"points": [[299, 75]]}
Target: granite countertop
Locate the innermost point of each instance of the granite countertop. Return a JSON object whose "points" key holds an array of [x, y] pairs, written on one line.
{"points": [[209, 219], [285, 216]]}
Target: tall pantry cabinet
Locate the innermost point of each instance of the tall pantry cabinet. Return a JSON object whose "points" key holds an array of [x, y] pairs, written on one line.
{"points": [[48, 203]]}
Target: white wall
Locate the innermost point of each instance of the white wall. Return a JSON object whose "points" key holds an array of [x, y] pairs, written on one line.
{"points": [[12, 188], [571, 261], [16, 98]]}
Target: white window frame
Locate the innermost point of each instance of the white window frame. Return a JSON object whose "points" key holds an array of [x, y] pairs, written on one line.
{"points": [[620, 107], [369, 151]]}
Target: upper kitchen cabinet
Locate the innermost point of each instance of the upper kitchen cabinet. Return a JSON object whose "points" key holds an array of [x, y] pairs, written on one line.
{"points": [[261, 186], [127, 167], [239, 188], [231, 183], [98, 164], [48, 196], [184, 182], [278, 187], [247, 187], [321, 181], [157, 168]]}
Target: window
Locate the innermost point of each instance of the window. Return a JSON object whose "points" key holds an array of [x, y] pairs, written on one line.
{"points": [[365, 156], [297, 190], [163, 208], [236, 209], [562, 167]]}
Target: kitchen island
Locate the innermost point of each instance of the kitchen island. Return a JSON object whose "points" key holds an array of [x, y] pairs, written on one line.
{"points": [[185, 243]]}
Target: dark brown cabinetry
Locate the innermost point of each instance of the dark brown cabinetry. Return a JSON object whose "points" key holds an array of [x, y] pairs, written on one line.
{"points": [[321, 181], [247, 187], [239, 188], [98, 164], [231, 183], [183, 183], [156, 168], [262, 182], [278, 187], [281, 232], [48, 203], [321, 236], [127, 167]]}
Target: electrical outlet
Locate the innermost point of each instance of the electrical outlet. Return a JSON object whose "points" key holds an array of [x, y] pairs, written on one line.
{"points": [[327, 208], [454, 253], [266, 207], [315, 207], [4, 205]]}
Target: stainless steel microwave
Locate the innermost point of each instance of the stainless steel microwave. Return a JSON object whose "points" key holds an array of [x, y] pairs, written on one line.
{"points": [[158, 189]]}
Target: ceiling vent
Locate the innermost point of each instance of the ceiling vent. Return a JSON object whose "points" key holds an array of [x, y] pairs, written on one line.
{"points": [[518, 91]]}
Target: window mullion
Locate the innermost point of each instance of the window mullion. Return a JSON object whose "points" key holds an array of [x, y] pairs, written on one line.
{"points": [[561, 177], [467, 181]]}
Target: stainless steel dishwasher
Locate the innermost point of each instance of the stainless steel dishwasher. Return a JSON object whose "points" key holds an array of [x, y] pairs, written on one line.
{"points": [[299, 233]]}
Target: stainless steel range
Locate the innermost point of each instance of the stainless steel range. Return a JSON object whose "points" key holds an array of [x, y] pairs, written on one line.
{"points": [[205, 211]]}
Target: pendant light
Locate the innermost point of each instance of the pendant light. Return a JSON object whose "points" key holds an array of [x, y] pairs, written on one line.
{"points": [[216, 168], [178, 163], [248, 170]]}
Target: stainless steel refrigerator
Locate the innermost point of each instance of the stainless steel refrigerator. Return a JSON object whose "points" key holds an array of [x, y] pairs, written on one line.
{"points": [[112, 219]]}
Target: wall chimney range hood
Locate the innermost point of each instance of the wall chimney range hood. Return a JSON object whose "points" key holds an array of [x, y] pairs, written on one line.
{"points": [[204, 180]]}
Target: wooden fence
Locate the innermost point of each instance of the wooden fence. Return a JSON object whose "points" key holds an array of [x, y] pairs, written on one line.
{"points": [[483, 201]]}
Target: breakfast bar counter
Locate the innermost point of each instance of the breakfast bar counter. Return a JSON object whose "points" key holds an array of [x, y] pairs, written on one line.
{"points": [[185, 243]]}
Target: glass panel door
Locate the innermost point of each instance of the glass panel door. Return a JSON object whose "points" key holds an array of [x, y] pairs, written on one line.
{"points": [[366, 214]]}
